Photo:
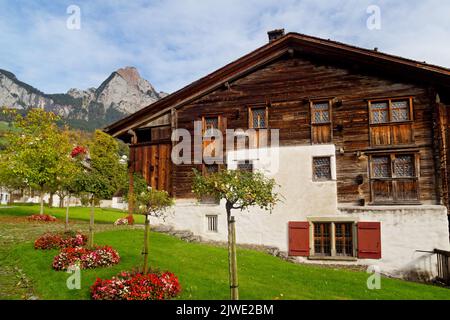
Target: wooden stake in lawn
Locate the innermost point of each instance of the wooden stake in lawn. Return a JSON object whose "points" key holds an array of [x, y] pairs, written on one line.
{"points": [[240, 190], [150, 203], [66, 227], [91, 225]]}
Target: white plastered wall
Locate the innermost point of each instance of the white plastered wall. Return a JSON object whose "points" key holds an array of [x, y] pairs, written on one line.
{"points": [[404, 229]]}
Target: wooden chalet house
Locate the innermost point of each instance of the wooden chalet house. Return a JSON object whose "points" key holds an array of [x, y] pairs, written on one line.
{"points": [[363, 151]]}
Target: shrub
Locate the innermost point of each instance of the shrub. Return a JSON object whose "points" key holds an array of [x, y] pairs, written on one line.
{"points": [[86, 258], [60, 240], [121, 222], [137, 286], [42, 218]]}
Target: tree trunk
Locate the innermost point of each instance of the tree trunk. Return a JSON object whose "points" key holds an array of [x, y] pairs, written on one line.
{"points": [[67, 213], [91, 226], [41, 195], [146, 241], [232, 259], [50, 200], [10, 197], [61, 200]]}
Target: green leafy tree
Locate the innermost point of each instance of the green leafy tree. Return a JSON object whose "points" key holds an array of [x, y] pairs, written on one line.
{"points": [[240, 190], [153, 203], [102, 174], [38, 151], [8, 180]]}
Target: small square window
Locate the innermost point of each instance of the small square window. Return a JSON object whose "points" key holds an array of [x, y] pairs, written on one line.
{"points": [[404, 166], [212, 223], [209, 125], [210, 169], [380, 112], [246, 166], [258, 118], [321, 113], [400, 111], [322, 168]]}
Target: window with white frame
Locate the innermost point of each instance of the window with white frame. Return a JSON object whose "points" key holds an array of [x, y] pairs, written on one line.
{"points": [[211, 221]]}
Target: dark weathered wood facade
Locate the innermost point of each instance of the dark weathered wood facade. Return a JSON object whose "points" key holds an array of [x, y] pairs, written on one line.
{"points": [[288, 81]]}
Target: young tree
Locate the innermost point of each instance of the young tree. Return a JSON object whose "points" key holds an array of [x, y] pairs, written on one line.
{"points": [[37, 151], [139, 186], [151, 203], [103, 173], [240, 190]]}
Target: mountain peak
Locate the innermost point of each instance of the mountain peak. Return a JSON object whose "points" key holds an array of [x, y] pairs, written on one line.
{"points": [[122, 93], [130, 74]]}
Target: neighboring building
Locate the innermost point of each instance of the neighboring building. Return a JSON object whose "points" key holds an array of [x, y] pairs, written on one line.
{"points": [[4, 196], [363, 156]]}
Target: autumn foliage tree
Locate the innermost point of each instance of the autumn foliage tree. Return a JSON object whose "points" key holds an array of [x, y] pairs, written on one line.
{"points": [[37, 152], [240, 190]]}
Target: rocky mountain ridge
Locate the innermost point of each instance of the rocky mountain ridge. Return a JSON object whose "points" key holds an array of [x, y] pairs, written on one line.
{"points": [[122, 93]]}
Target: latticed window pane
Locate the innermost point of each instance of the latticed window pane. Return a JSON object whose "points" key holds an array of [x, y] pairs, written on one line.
{"points": [[379, 111], [320, 113], [344, 239], [211, 124], [400, 111], [245, 166], [211, 168], [322, 239], [381, 167], [259, 117], [404, 166], [322, 168]]}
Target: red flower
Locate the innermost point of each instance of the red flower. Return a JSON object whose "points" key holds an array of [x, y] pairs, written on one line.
{"points": [[137, 286], [42, 218], [77, 151], [86, 258], [60, 240]]}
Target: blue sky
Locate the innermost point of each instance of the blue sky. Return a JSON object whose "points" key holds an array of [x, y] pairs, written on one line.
{"points": [[175, 42]]}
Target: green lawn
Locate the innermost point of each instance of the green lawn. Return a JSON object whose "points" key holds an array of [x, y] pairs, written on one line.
{"points": [[77, 213], [202, 269]]}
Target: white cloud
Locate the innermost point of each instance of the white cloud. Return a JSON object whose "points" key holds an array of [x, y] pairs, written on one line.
{"points": [[173, 42]]}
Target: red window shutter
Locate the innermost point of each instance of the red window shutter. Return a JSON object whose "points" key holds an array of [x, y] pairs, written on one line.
{"points": [[299, 239], [369, 240]]}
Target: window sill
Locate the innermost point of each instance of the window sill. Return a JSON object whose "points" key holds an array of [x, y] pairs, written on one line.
{"points": [[394, 203], [333, 258]]}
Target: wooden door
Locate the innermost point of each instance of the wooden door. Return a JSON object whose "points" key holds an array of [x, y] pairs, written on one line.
{"points": [[158, 166], [154, 163]]}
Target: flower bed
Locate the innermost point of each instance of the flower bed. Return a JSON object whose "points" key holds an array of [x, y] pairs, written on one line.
{"points": [[42, 218], [121, 222], [137, 286], [60, 240], [86, 258]]}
